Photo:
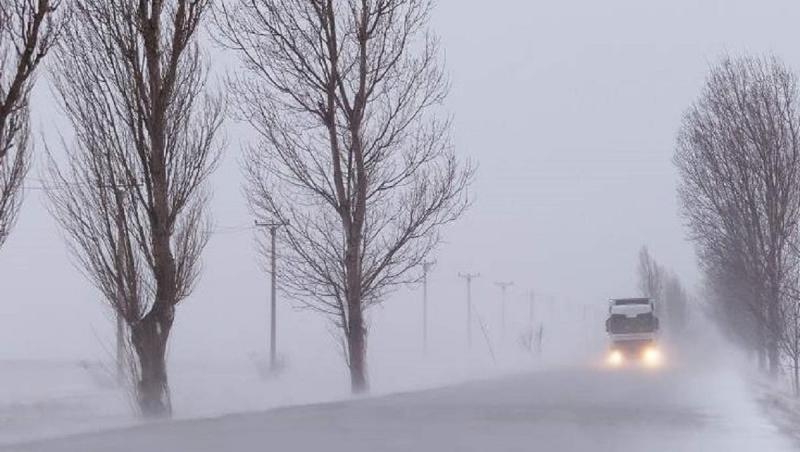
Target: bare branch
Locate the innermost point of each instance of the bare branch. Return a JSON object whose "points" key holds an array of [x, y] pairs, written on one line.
{"points": [[28, 29], [354, 153], [132, 81]]}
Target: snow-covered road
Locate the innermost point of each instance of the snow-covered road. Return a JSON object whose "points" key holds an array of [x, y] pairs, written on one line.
{"points": [[559, 410]]}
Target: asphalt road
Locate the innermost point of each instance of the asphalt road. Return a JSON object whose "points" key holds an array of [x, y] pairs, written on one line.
{"points": [[560, 410]]}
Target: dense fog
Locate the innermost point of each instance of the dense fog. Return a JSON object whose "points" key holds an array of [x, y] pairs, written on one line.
{"points": [[569, 111]]}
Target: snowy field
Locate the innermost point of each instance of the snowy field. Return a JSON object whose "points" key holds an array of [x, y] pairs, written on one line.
{"points": [[570, 409], [40, 400], [505, 400]]}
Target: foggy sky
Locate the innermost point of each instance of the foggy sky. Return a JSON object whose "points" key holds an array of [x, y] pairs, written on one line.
{"points": [[570, 110]]}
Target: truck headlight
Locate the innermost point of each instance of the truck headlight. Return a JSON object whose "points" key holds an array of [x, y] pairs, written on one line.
{"points": [[651, 357], [615, 358]]}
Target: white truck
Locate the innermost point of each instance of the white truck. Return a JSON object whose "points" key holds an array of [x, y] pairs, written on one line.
{"points": [[632, 327]]}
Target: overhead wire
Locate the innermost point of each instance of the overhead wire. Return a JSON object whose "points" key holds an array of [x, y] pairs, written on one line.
{"points": [[43, 185]]}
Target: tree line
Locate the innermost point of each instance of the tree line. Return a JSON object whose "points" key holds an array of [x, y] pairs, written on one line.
{"points": [[354, 155], [738, 156], [663, 286]]}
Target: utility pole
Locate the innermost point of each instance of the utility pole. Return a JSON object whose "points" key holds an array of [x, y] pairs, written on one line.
{"points": [[120, 348], [469, 277], [536, 333], [531, 302], [273, 229], [426, 266], [121, 256], [503, 285]]}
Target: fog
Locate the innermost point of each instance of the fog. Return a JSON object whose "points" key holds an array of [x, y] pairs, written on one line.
{"points": [[568, 108]]}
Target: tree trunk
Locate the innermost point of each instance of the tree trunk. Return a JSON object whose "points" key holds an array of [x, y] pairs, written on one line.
{"points": [[357, 350], [774, 358], [774, 332], [154, 398], [356, 331], [761, 347], [150, 337]]}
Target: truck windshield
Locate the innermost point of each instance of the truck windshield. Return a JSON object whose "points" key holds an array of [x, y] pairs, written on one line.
{"points": [[629, 301], [621, 324]]}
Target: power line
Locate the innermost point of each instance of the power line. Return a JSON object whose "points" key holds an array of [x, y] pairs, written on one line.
{"points": [[45, 185], [234, 229]]}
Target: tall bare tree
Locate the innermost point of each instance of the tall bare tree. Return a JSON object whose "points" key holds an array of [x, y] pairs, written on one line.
{"points": [[650, 274], [664, 287], [131, 197], [28, 29], [676, 303], [732, 299], [353, 155], [790, 339], [738, 155]]}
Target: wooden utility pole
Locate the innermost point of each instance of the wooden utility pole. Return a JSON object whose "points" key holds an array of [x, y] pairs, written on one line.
{"points": [[531, 303], [503, 285], [120, 348], [121, 256], [273, 229], [468, 277]]}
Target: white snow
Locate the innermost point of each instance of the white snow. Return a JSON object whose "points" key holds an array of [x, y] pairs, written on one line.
{"points": [[631, 310], [46, 399], [570, 409], [520, 402]]}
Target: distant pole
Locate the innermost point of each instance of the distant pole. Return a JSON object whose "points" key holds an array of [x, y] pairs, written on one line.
{"points": [[272, 304], [273, 355], [535, 333], [426, 266], [468, 277], [531, 302], [120, 347], [503, 285], [120, 257]]}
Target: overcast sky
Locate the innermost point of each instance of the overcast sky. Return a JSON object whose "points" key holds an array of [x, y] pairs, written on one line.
{"points": [[569, 108]]}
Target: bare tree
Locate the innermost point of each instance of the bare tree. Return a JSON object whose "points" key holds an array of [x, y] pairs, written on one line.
{"points": [[732, 301], [353, 154], [676, 303], [131, 196], [790, 339], [739, 159], [664, 287], [28, 29], [651, 275]]}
